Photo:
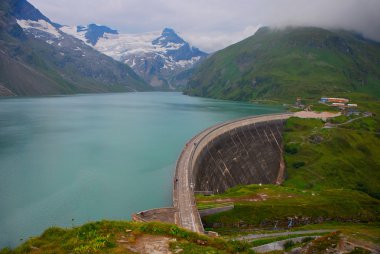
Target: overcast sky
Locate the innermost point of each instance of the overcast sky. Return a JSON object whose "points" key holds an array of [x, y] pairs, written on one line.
{"points": [[215, 24]]}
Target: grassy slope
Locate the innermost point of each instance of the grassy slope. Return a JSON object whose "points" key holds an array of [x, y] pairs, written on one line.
{"points": [[262, 206], [346, 157], [334, 179], [284, 64], [116, 236]]}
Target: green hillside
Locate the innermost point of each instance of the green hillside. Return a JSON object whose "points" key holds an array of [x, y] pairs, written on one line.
{"points": [[281, 64]]}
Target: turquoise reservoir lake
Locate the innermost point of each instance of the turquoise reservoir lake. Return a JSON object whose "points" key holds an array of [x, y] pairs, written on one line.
{"points": [[68, 160]]}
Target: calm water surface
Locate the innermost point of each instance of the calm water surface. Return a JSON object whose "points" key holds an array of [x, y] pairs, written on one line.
{"points": [[73, 159]]}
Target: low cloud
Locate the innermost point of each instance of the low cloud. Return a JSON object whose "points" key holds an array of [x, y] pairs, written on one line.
{"points": [[214, 24], [210, 42]]}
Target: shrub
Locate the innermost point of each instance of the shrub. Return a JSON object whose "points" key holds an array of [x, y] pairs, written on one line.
{"points": [[291, 148], [307, 239], [288, 244], [298, 164]]}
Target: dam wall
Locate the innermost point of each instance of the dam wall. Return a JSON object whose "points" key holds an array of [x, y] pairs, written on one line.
{"points": [[243, 155], [242, 151]]}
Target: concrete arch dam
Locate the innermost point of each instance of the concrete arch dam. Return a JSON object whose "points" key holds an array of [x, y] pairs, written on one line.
{"points": [[243, 151]]}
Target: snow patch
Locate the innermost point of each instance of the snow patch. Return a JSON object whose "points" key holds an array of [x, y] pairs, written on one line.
{"points": [[186, 63], [173, 46], [136, 49], [133, 63], [72, 30], [121, 45], [40, 25]]}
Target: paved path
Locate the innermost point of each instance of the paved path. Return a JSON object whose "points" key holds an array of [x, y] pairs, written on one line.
{"points": [[187, 215], [287, 233], [279, 245], [354, 119]]}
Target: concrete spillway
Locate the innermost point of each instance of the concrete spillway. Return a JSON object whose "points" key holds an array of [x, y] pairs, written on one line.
{"points": [[244, 151]]}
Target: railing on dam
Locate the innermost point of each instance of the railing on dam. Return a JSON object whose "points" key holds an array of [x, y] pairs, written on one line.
{"points": [[197, 169]]}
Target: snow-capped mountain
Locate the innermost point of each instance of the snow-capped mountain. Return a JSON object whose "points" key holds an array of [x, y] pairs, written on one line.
{"points": [[53, 62], [155, 56], [89, 34]]}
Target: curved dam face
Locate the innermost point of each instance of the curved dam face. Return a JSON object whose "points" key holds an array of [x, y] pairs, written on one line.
{"points": [[243, 151], [242, 155]]}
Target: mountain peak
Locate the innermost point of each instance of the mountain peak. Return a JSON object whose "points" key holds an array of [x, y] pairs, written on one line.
{"points": [[105, 29], [168, 35], [94, 32], [156, 56], [168, 31], [23, 10]]}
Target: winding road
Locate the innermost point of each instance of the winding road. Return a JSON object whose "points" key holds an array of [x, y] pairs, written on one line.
{"points": [[187, 215]]}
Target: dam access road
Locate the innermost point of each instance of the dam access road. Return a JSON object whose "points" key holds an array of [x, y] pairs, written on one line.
{"points": [[187, 215]]}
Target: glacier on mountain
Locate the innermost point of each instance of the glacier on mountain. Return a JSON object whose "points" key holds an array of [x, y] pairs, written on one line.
{"points": [[41, 25], [156, 56]]}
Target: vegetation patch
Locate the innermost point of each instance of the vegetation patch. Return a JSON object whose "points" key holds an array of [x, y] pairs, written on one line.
{"points": [[325, 244], [358, 232], [344, 157], [272, 207], [121, 237], [187, 247], [263, 241]]}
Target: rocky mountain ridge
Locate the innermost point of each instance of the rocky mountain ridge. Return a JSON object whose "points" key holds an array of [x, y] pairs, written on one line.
{"points": [[156, 56], [37, 58]]}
